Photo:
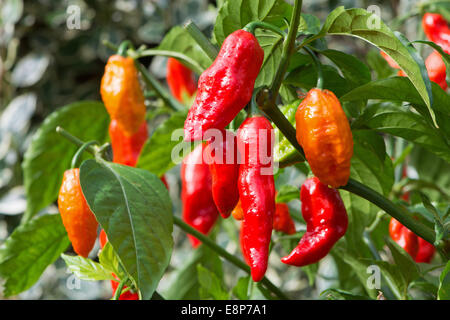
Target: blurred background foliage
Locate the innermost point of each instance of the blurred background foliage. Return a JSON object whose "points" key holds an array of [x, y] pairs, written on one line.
{"points": [[44, 64]]}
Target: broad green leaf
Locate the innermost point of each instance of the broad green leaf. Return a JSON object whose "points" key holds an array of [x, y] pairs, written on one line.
{"points": [[156, 155], [369, 27], [240, 290], [109, 260], [87, 269], [133, 207], [405, 124], [29, 250], [184, 284], [309, 24], [337, 294], [179, 44], [30, 69], [403, 261], [379, 65], [305, 77], [49, 154], [272, 45], [395, 278], [444, 283], [287, 193], [352, 68], [210, 284]]}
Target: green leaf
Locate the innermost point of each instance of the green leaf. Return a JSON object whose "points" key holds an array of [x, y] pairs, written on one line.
{"points": [[445, 56], [444, 283], [284, 150], [29, 250], [405, 124], [337, 294], [49, 154], [240, 290], [287, 193], [378, 64], [156, 155], [86, 269], [369, 27], [109, 260], [179, 44], [184, 284], [210, 284], [403, 261], [133, 207]]}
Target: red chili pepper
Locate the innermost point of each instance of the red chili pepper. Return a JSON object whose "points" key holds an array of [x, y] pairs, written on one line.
{"points": [[199, 210], [437, 30], [326, 222], [226, 86], [126, 149], [180, 79], [426, 251], [256, 191], [282, 220], [128, 295], [103, 238], [223, 164], [437, 72], [404, 237]]}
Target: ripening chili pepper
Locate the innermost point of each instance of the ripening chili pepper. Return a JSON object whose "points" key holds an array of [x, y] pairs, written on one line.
{"points": [[226, 86], [199, 210], [437, 30], [282, 220], [222, 154], [77, 218], [126, 149], [404, 237], [103, 238], [122, 94], [256, 191], [324, 133], [180, 79], [127, 295], [237, 212], [426, 251], [326, 222], [437, 72]]}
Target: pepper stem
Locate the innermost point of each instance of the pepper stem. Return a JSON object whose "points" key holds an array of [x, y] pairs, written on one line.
{"points": [[77, 157], [318, 67], [204, 43], [252, 26], [120, 287], [123, 47]]}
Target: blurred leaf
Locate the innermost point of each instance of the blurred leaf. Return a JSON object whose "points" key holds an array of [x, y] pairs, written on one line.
{"points": [[133, 207], [49, 154], [337, 294], [16, 117], [287, 193], [378, 64], [210, 285], [444, 283], [156, 155], [29, 70], [87, 269], [241, 288], [11, 11], [403, 261], [29, 250]]}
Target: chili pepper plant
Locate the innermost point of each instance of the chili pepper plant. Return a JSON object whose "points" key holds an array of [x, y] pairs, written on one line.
{"points": [[297, 164]]}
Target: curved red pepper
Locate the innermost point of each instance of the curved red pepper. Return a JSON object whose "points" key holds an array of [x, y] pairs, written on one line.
{"points": [[437, 30], [224, 167], [437, 71], [199, 210], [256, 191], [226, 86], [404, 237], [126, 149], [180, 79], [326, 222]]}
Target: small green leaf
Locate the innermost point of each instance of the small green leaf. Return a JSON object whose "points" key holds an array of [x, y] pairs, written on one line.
{"points": [[403, 261], [86, 269], [284, 150], [109, 260], [210, 284], [287, 193], [133, 207], [241, 288], [337, 294], [444, 283], [29, 250]]}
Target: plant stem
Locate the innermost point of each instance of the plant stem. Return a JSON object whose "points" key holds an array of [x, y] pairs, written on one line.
{"points": [[224, 254], [288, 48], [318, 67], [252, 26], [190, 63], [120, 287], [204, 43], [75, 140], [159, 89]]}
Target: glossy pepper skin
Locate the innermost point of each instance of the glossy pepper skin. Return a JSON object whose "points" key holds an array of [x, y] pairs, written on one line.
{"points": [[404, 237], [224, 167], [326, 222], [226, 86], [126, 149], [77, 218], [180, 79], [122, 94], [282, 220], [437, 71], [324, 133], [426, 251], [199, 209], [256, 192], [437, 30]]}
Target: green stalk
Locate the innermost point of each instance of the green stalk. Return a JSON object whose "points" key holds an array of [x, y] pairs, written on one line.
{"points": [[204, 43], [190, 63], [252, 26], [224, 254], [75, 140], [158, 88], [318, 67], [120, 287], [288, 49]]}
